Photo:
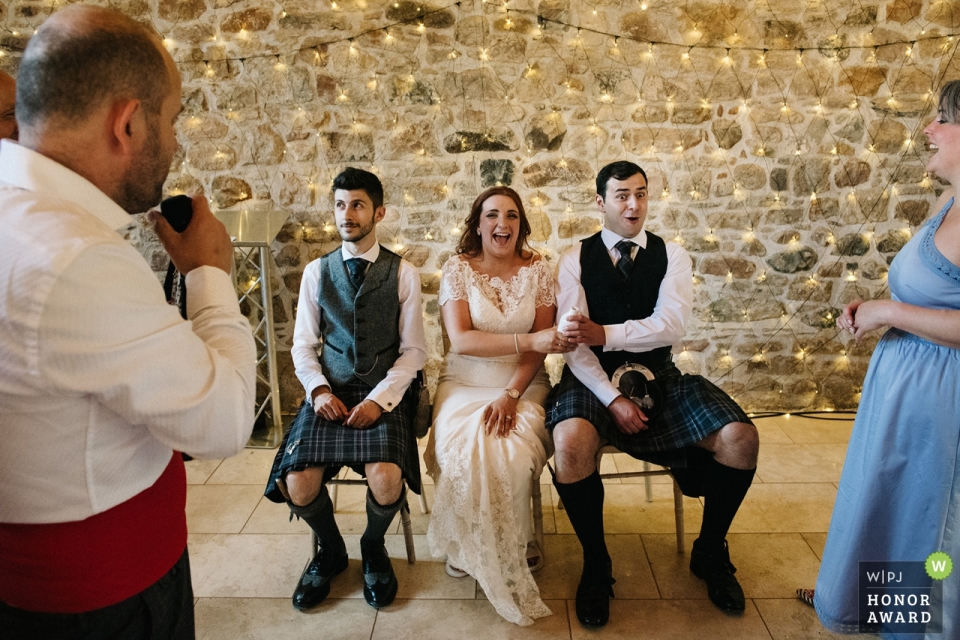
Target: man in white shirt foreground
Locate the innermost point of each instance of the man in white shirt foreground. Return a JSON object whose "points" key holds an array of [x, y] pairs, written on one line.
{"points": [[102, 383], [631, 294], [358, 343]]}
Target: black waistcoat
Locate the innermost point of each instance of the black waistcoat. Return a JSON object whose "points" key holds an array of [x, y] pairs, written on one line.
{"points": [[613, 300]]}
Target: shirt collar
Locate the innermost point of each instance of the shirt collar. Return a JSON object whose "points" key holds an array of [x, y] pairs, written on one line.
{"points": [[610, 239], [26, 169], [370, 256]]}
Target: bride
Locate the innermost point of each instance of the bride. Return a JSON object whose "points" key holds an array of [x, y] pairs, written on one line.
{"points": [[488, 439]]}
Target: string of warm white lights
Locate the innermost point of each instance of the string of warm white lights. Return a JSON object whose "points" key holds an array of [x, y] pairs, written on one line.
{"points": [[387, 97]]}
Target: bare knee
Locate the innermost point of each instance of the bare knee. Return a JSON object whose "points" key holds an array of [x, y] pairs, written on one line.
{"points": [[304, 486], [738, 445], [575, 444], [385, 481]]}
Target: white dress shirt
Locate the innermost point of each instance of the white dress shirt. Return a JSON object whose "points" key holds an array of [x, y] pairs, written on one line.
{"points": [[100, 378], [307, 340], [663, 328]]}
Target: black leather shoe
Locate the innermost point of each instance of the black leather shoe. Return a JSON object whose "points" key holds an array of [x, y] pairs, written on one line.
{"points": [[594, 593], [379, 582], [314, 583], [714, 567]]}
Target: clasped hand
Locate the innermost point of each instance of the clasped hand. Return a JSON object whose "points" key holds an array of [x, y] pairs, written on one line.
{"points": [[860, 317], [330, 407], [550, 341], [579, 329]]}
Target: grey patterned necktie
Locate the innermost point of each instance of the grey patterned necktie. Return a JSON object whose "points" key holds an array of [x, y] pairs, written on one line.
{"points": [[625, 263], [357, 268]]}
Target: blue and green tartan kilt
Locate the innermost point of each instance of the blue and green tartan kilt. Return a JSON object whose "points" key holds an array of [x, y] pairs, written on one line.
{"points": [[693, 408], [313, 441]]}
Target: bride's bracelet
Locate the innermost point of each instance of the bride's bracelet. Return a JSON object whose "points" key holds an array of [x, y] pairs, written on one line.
{"points": [[516, 343]]}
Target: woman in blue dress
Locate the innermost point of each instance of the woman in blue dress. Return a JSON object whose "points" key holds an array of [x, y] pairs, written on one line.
{"points": [[899, 494]]}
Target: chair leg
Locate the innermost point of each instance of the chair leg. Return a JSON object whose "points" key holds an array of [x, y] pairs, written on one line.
{"points": [[423, 501], [332, 490], [408, 532], [648, 486], [678, 513], [537, 519]]}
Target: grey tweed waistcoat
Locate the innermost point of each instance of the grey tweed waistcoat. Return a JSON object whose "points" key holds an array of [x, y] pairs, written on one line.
{"points": [[360, 328]]}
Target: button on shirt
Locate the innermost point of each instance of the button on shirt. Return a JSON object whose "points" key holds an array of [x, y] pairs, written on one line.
{"points": [[100, 378], [307, 340], [663, 328]]}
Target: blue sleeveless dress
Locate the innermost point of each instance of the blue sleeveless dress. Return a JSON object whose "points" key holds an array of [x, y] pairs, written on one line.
{"points": [[899, 494]]}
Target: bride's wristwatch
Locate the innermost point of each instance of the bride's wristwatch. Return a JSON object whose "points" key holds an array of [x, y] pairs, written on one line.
{"points": [[513, 393]]}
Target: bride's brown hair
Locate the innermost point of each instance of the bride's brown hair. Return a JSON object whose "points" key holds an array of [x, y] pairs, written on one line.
{"points": [[470, 243]]}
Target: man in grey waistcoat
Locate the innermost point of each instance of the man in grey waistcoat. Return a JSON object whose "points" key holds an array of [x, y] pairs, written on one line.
{"points": [[357, 346]]}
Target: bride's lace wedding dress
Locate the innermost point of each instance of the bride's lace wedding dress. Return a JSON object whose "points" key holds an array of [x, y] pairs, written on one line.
{"points": [[481, 514]]}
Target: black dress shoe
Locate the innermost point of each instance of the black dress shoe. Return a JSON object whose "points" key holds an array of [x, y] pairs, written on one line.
{"points": [[594, 593], [314, 583], [379, 582], [714, 567]]}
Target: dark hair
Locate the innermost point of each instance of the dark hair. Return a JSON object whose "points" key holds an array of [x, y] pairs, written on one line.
{"points": [[619, 170], [70, 68], [470, 243], [950, 102], [351, 179]]}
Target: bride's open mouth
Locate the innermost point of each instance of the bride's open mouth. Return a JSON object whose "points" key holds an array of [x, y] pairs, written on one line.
{"points": [[501, 239]]}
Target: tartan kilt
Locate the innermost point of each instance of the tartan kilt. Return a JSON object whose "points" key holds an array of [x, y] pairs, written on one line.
{"points": [[313, 441], [693, 408]]}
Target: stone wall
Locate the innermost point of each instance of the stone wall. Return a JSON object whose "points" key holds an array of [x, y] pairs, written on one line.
{"points": [[783, 141]]}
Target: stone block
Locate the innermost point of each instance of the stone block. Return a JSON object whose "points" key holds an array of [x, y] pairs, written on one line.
{"points": [[851, 172], [852, 244], [472, 141], [496, 172], [562, 173], [793, 260], [739, 268], [750, 176], [228, 191], [914, 212], [255, 19]]}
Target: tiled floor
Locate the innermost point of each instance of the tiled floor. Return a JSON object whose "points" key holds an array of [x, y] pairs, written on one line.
{"points": [[246, 557]]}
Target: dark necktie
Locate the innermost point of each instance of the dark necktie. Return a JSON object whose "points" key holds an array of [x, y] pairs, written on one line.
{"points": [[357, 268], [625, 263]]}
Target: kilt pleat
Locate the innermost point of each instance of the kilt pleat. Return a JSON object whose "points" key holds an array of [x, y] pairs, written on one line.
{"points": [[693, 408], [313, 441]]}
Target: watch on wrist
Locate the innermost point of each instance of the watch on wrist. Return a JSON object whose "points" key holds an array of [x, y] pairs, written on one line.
{"points": [[513, 393]]}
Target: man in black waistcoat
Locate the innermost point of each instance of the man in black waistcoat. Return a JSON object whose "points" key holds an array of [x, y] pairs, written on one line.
{"points": [[631, 295], [357, 345]]}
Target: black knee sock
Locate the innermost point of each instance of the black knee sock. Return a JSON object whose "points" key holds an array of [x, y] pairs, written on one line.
{"points": [[379, 518], [319, 515], [724, 490], [583, 501]]}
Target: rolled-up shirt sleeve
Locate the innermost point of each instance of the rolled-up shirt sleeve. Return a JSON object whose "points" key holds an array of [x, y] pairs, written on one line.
{"points": [[190, 383]]}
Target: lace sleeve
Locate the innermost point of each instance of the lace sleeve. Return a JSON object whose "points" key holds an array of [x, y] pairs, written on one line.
{"points": [[454, 281], [546, 284]]}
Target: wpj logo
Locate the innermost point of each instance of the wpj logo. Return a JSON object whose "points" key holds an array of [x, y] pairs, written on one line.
{"points": [[899, 597]]}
